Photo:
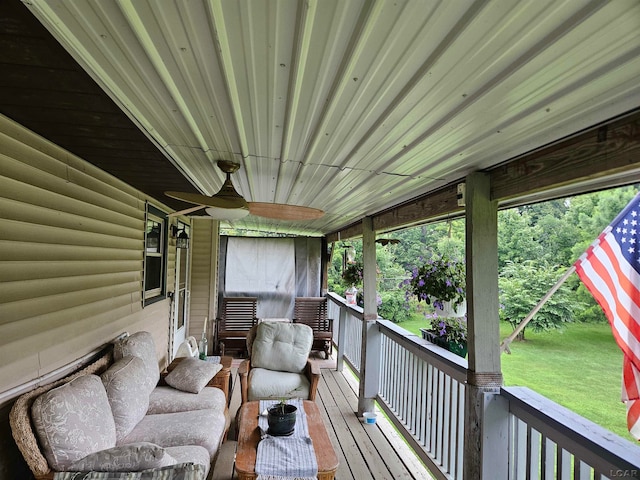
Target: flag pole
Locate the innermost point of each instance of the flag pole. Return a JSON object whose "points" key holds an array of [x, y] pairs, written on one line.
{"points": [[504, 346]]}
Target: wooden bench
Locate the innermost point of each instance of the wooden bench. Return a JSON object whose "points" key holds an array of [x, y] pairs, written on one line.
{"points": [[237, 316], [312, 311]]}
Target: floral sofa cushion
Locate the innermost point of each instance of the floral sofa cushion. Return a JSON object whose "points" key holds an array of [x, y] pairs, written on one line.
{"points": [[124, 383], [73, 420], [191, 454], [170, 400], [132, 457], [281, 346], [141, 345], [198, 427], [192, 375]]}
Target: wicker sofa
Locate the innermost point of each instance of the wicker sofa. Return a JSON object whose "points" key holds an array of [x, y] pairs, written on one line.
{"points": [[118, 415]]}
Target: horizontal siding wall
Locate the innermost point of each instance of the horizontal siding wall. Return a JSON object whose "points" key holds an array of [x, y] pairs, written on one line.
{"points": [[204, 261], [71, 259]]}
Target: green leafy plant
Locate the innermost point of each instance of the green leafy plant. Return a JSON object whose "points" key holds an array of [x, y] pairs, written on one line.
{"points": [[393, 306], [522, 285], [438, 281], [449, 329], [280, 407], [352, 274]]}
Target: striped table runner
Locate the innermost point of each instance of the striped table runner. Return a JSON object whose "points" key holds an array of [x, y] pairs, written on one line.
{"points": [[286, 458]]}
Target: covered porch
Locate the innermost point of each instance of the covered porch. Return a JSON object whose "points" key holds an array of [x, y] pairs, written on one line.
{"points": [[420, 429], [106, 106], [364, 451]]}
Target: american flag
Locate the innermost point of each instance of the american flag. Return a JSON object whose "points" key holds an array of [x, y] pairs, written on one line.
{"points": [[610, 269]]}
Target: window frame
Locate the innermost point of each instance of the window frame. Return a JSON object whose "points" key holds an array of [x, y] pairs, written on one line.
{"points": [[149, 296]]}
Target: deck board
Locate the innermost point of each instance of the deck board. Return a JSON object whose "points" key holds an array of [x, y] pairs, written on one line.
{"points": [[374, 452]]}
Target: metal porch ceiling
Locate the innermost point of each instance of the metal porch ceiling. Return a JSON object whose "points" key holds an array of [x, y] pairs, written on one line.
{"points": [[352, 106]]}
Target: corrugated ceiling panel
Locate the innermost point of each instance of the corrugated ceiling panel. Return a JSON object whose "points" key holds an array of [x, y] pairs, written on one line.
{"points": [[332, 104]]}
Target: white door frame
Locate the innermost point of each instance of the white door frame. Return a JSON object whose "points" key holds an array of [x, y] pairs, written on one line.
{"points": [[180, 313]]}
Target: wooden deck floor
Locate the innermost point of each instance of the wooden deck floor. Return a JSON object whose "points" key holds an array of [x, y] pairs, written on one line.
{"points": [[365, 451]]}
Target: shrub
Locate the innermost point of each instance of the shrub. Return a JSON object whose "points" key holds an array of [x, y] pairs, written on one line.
{"points": [[393, 306]]}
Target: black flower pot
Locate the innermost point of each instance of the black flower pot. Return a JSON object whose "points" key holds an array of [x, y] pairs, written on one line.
{"points": [[281, 419]]}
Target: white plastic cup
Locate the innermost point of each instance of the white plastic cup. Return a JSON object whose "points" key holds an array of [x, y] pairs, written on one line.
{"points": [[369, 417]]}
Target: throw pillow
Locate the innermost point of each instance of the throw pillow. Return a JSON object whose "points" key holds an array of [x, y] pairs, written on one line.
{"points": [[131, 457], [192, 374]]}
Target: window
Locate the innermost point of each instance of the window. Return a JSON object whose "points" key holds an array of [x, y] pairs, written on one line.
{"points": [[154, 255]]}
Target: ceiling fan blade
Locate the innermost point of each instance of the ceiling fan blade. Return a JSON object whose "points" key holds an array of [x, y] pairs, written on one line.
{"points": [[186, 210], [280, 211], [229, 199], [214, 201]]}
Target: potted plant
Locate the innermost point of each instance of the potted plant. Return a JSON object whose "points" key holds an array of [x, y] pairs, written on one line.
{"points": [[281, 418], [448, 332], [352, 274], [440, 282]]}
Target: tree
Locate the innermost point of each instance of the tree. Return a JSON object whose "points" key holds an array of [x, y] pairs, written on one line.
{"points": [[587, 216], [556, 235], [522, 285], [518, 239]]}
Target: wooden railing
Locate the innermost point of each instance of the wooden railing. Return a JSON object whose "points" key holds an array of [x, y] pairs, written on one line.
{"points": [[550, 441], [347, 331], [421, 387]]}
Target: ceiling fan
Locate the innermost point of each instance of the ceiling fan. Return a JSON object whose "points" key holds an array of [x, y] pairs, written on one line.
{"points": [[228, 204]]}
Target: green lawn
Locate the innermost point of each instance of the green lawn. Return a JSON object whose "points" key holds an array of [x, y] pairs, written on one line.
{"points": [[579, 368]]}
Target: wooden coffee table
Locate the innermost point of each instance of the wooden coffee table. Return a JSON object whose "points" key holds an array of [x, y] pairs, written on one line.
{"points": [[249, 436]]}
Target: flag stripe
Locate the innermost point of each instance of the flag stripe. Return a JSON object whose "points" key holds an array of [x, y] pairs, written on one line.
{"points": [[601, 277], [631, 378], [610, 269]]}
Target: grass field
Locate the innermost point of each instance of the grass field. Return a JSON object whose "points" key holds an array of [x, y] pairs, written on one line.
{"points": [[579, 368]]}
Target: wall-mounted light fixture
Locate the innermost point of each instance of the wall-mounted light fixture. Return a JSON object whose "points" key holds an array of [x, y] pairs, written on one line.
{"points": [[182, 239]]}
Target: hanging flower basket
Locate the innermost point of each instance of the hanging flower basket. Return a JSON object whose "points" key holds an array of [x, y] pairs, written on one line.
{"points": [[352, 274], [438, 281], [448, 310]]}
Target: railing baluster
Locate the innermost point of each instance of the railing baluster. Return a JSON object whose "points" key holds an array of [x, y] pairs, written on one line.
{"points": [[422, 389]]}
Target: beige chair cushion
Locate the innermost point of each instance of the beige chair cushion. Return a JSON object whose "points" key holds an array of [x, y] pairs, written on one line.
{"points": [[73, 420], [281, 346], [268, 384]]}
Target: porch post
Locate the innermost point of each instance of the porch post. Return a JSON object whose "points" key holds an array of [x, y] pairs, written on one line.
{"points": [[370, 360], [486, 419]]}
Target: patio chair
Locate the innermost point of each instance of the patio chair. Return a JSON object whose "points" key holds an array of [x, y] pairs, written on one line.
{"points": [[278, 366], [237, 316], [312, 311]]}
